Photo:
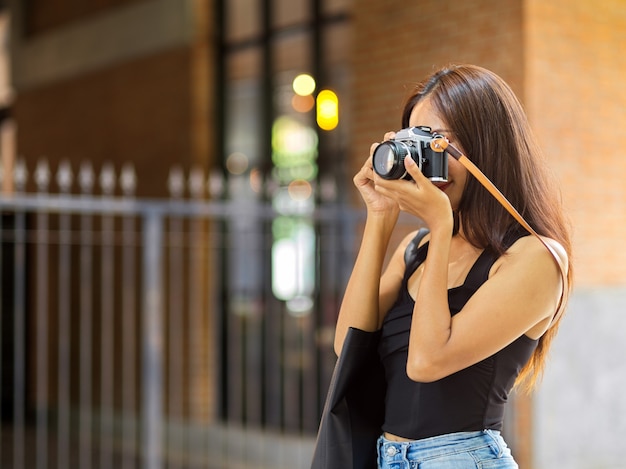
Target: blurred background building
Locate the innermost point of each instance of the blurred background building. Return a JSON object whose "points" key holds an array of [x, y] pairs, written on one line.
{"points": [[178, 218]]}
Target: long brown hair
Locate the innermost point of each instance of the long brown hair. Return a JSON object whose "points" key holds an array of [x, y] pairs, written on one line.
{"points": [[488, 122]]}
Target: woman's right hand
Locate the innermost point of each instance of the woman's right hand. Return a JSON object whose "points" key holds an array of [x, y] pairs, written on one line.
{"points": [[364, 182]]}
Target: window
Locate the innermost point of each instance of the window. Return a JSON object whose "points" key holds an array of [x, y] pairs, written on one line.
{"points": [[276, 158]]}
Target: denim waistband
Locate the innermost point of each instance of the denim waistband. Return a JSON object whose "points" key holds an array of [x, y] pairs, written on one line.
{"points": [[450, 443]]}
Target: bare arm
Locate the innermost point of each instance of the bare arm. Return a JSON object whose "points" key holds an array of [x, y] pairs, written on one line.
{"points": [[361, 306], [370, 292], [520, 297]]}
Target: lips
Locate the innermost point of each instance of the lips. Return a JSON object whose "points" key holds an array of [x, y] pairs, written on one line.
{"points": [[443, 186]]}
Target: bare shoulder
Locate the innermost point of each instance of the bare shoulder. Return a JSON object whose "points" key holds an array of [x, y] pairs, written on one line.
{"points": [[534, 254]]}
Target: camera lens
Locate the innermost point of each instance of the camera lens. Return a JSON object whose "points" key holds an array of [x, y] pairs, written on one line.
{"points": [[388, 160]]}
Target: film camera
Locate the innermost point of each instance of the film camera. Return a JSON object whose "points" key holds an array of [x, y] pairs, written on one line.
{"points": [[388, 158]]}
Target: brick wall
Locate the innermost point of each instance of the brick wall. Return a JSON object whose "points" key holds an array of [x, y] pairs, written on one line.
{"points": [[564, 61], [397, 43], [150, 106], [44, 15], [138, 112], [576, 101], [577, 104]]}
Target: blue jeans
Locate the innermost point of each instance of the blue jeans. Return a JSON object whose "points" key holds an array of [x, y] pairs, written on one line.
{"points": [[463, 450]]}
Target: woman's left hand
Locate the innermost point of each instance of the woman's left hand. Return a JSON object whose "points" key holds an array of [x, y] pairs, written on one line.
{"points": [[421, 198]]}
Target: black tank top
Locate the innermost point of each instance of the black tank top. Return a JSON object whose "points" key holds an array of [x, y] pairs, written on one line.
{"points": [[472, 399]]}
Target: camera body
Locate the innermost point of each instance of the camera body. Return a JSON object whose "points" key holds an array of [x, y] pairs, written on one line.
{"points": [[388, 157]]}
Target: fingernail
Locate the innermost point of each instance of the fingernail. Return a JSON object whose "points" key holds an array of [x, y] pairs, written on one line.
{"points": [[408, 160]]}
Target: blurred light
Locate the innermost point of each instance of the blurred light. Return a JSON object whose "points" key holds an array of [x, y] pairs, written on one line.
{"points": [[291, 140], [237, 163], [299, 189], [303, 84], [299, 306], [256, 180], [294, 150], [327, 110], [284, 269], [293, 265], [302, 103]]}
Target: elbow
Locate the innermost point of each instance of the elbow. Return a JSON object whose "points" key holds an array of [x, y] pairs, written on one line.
{"points": [[423, 370]]}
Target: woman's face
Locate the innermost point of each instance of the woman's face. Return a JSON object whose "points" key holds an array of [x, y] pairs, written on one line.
{"points": [[424, 114]]}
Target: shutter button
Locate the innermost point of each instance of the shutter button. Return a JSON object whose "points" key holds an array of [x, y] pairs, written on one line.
{"points": [[392, 451]]}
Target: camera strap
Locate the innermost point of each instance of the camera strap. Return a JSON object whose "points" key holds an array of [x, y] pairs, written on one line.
{"points": [[441, 144]]}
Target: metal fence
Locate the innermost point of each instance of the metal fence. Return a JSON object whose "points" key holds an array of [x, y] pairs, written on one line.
{"points": [[186, 332], [180, 333]]}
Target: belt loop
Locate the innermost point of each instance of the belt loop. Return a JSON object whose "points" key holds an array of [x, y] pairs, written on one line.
{"points": [[496, 441]]}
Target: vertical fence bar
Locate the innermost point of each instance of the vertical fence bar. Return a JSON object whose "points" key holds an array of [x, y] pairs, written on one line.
{"points": [[129, 329], [330, 283], [107, 182], [175, 334], [175, 368], [214, 320], [6, 186], [310, 374], [216, 338], [252, 328], [289, 358], [273, 341], [20, 177], [152, 340], [235, 367], [2, 312], [194, 329], [310, 379], [42, 352], [85, 457], [19, 361], [64, 286], [196, 375]]}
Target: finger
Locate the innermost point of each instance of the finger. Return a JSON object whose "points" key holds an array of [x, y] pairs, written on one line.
{"points": [[363, 177], [373, 147], [390, 135], [384, 191], [411, 166]]}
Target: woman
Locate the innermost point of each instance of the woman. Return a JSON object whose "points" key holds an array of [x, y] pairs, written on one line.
{"points": [[474, 314]]}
